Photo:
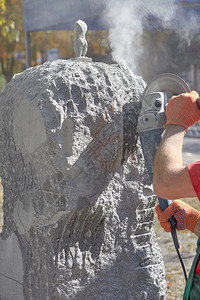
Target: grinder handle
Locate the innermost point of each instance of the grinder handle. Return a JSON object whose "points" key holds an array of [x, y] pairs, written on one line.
{"points": [[163, 205]]}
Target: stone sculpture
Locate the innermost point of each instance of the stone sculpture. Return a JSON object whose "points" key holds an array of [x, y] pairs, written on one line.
{"points": [[78, 207], [80, 43]]}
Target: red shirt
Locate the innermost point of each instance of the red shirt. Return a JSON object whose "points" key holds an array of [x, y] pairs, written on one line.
{"points": [[194, 172]]}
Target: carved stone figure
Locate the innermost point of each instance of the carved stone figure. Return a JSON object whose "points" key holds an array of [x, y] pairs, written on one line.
{"points": [[80, 43], [78, 207]]}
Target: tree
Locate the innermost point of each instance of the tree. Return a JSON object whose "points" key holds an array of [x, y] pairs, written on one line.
{"points": [[10, 30], [2, 12]]}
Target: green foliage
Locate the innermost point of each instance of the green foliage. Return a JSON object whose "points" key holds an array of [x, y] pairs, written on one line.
{"points": [[11, 36], [7, 24], [9, 31], [2, 11]]}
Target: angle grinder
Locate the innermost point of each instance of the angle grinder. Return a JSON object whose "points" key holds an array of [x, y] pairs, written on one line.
{"points": [[151, 124]]}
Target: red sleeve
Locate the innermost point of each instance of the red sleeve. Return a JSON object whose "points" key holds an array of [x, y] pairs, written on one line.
{"points": [[194, 172]]}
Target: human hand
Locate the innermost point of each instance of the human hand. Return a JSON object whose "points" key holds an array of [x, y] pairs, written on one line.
{"points": [[185, 215], [183, 110]]}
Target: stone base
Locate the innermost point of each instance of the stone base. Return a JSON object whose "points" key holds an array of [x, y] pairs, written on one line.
{"points": [[82, 59]]}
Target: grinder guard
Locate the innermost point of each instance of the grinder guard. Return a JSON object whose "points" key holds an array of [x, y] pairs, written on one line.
{"points": [[155, 98]]}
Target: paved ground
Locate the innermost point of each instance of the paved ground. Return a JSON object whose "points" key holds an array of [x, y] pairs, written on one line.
{"points": [[191, 149], [191, 145]]}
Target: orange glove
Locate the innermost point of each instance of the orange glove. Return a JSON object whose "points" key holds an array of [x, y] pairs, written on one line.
{"points": [[183, 110], [185, 215]]}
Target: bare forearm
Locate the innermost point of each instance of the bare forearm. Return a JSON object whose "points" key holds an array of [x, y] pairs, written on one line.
{"points": [[170, 150], [171, 178]]}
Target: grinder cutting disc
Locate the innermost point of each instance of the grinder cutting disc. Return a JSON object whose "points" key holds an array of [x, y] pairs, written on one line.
{"points": [[168, 83]]}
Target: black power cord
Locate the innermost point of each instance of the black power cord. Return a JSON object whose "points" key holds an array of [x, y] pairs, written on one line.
{"points": [[176, 244]]}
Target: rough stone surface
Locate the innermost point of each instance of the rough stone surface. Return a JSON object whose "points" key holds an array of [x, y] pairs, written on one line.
{"points": [[77, 199]]}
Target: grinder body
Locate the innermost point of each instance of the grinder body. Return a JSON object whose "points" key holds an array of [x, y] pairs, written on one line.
{"points": [[152, 119], [151, 124], [150, 128]]}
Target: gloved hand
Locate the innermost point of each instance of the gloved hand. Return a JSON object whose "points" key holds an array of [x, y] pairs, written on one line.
{"points": [[185, 215], [183, 110]]}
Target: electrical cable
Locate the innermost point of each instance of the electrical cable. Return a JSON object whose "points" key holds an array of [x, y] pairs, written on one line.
{"points": [[176, 244]]}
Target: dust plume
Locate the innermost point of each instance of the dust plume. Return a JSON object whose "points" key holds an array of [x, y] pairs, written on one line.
{"points": [[127, 20]]}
